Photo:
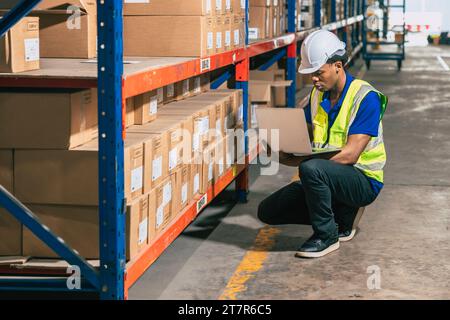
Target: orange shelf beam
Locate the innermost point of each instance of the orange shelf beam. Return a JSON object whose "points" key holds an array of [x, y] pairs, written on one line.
{"points": [[146, 81], [264, 46]]}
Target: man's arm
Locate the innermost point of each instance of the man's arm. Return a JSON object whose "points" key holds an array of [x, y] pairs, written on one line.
{"points": [[352, 151]]}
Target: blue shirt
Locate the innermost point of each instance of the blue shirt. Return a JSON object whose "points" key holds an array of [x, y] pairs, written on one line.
{"points": [[367, 119]]}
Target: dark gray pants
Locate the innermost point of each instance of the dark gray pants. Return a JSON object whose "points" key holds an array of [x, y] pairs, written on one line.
{"points": [[328, 197]]}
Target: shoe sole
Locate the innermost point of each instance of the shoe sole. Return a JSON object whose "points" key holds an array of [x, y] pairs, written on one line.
{"points": [[322, 253], [349, 237]]}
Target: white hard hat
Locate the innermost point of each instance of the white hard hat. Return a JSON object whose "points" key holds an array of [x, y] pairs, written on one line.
{"points": [[317, 48]]}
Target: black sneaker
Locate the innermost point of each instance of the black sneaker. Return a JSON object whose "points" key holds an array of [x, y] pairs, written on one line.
{"points": [[316, 248], [347, 235]]}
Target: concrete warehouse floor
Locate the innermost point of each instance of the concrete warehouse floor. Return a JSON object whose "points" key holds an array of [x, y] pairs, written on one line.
{"points": [[404, 236]]}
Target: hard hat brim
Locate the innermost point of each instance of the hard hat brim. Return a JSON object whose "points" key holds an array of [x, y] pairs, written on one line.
{"points": [[305, 70]]}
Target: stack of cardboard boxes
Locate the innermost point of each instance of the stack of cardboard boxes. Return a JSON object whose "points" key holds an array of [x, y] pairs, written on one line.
{"points": [[188, 28], [305, 18], [267, 19], [49, 161]]}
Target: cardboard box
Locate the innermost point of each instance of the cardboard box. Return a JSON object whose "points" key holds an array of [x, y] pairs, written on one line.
{"points": [[219, 153], [140, 228], [70, 177], [184, 187], [10, 227], [129, 112], [260, 3], [233, 119], [145, 107], [259, 23], [263, 91], [162, 197], [238, 31], [199, 84], [238, 6], [78, 226], [188, 36], [169, 7], [182, 90], [228, 30], [47, 119], [68, 28], [172, 130], [187, 126], [7, 169], [201, 112], [219, 26], [169, 93], [195, 172], [11, 234], [19, 47], [155, 160], [279, 93], [208, 168]]}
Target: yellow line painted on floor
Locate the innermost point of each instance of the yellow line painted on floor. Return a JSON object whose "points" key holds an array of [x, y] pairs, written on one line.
{"points": [[251, 263]]}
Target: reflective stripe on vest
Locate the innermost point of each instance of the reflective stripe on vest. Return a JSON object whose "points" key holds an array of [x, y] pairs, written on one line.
{"points": [[373, 158]]}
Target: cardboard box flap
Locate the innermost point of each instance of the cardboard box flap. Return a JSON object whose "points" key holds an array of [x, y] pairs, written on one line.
{"points": [[8, 260], [260, 90]]}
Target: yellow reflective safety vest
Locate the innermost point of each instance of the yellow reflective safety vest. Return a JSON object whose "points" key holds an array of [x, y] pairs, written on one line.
{"points": [[373, 158]]}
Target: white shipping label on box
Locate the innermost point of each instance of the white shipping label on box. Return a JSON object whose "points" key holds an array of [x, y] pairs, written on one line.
{"points": [[136, 179], [242, 4], [156, 168], [236, 37], [160, 95], [197, 85], [171, 90], [253, 33], [219, 40], [210, 41], [196, 142], [173, 159], [275, 2], [167, 193], [210, 171], [143, 231], [31, 49], [184, 193], [208, 6], [185, 87], [159, 216], [220, 168], [153, 105], [227, 38], [219, 125], [241, 113], [196, 183], [228, 4], [219, 5], [205, 127]]}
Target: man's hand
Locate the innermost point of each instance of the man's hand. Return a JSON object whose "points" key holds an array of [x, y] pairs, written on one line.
{"points": [[352, 151]]}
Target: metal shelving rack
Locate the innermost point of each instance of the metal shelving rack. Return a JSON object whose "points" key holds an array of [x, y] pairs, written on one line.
{"points": [[116, 82], [388, 50]]}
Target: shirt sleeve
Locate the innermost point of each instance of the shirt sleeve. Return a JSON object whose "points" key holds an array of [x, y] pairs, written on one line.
{"points": [[307, 110], [367, 119]]}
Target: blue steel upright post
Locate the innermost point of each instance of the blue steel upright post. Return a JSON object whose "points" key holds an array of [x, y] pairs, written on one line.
{"points": [[318, 13], [242, 77], [291, 55], [111, 152]]}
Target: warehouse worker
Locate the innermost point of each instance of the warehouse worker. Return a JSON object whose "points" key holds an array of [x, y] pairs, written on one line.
{"points": [[344, 113]]}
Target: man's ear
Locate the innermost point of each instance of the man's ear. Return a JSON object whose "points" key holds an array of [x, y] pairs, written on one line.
{"points": [[338, 66]]}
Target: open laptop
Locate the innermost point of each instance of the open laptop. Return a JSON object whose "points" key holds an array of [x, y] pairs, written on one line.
{"points": [[293, 131]]}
